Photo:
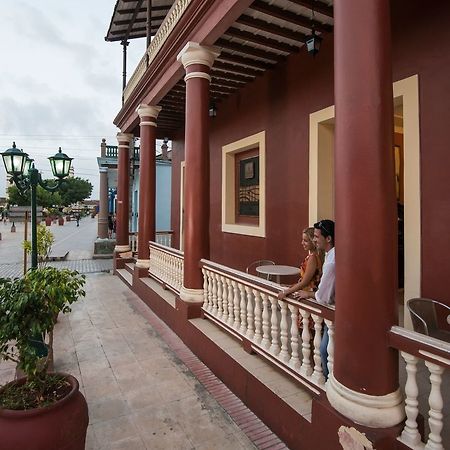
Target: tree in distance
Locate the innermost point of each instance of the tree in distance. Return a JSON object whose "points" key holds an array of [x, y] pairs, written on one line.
{"points": [[73, 190]]}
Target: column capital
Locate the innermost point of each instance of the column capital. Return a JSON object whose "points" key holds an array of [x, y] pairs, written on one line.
{"points": [[124, 137], [144, 110], [103, 169], [194, 53]]}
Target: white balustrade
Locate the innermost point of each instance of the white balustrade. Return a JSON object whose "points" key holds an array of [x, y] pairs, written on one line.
{"points": [[166, 265], [251, 308], [432, 352]]}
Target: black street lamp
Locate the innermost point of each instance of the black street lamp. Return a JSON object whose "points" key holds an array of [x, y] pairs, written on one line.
{"points": [[27, 177]]}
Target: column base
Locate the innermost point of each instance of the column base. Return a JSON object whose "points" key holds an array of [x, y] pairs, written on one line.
{"points": [[143, 263], [122, 248], [191, 295], [372, 411]]}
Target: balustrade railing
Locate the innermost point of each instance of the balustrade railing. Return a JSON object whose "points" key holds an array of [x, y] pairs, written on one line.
{"points": [[415, 350], [111, 151], [166, 27], [133, 241], [164, 238], [166, 266], [287, 332]]}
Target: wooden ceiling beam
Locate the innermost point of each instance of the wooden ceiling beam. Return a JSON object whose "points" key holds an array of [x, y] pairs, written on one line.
{"points": [[126, 22], [320, 7], [227, 82], [271, 28], [133, 18], [249, 62], [296, 19], [248, 50], [222, 73], [138, 30], [261, 40], [245, 71], [142, 10]]}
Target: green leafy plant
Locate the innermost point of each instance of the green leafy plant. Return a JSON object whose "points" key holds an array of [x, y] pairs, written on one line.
{"points": [[28, 308], [45, 240]]}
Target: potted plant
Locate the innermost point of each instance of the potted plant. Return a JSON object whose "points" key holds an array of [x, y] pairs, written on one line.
{"points": [[43, 410], [45, 240]]}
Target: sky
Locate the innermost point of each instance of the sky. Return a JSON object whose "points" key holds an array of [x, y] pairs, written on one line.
{"points": [[60, 81]]}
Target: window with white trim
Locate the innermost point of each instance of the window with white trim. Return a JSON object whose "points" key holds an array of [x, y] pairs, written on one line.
{"points": [[243, 186]]}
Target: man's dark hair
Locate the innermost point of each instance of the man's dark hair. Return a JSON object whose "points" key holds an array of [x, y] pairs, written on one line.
{"points": [[326, 227]]}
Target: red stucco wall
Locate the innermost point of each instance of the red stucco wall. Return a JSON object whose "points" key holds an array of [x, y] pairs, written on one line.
{"points": [[280, 102]]}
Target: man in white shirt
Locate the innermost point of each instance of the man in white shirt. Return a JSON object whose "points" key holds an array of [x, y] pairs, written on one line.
{"points": [[324, 240]]}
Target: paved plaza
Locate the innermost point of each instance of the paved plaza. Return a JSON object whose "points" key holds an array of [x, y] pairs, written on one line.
{"points": [[77, 242], [145, 389]]}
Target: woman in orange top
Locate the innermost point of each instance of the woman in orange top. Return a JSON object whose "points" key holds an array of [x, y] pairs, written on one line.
{"points": [[310, 269]]}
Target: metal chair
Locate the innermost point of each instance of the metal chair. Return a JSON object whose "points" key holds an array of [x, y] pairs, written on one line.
{"points": [[424, 316], [251, 268]]}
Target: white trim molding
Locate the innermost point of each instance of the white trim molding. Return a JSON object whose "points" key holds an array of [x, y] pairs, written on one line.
{"points": [[103, 169], [197, 75], [143, 263], [321, 177], [191, 295], [372, 411], [229, 151], [194, 53], [122, 248]]}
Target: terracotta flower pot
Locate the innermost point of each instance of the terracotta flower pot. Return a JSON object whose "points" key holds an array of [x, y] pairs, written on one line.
{"points": [[62, 425], [48, 221], [61, 221]]}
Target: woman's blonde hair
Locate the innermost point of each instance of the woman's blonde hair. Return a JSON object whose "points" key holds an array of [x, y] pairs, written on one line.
{"points": [[309, 231]]}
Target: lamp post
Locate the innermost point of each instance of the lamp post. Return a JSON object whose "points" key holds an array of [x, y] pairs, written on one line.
{"points": [[27, 177]]}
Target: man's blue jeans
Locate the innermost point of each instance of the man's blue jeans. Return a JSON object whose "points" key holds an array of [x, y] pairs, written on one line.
{"points": [[323, 351]]}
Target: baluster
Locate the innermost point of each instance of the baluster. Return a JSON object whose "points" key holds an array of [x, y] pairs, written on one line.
{"points": [[258, 334], [295, 360], [410, 434], [435, 415], [210, 291], [156, 271], [180, 274], [230, 302], [306, 368], [219, 296], [166, 265], [250, 313], [205, 289], [330, 346], [214, 294], [284, 353], [265, 322], [171, 271], [243, 307], [226, 287], [274, 328], [236, 304], [317, 374]]}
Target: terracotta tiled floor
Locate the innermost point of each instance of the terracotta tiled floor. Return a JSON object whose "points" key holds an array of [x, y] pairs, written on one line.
{"points": [[140, 395]]}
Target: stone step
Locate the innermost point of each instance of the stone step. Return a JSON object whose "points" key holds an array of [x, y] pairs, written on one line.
{"points": [[125, 276]]}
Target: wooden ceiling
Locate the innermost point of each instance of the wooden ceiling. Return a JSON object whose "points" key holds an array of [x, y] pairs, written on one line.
{"points": [[265, 34], [129, 19]]}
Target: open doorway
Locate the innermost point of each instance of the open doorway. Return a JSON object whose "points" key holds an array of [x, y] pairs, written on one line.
{"points": [[407, 156]]}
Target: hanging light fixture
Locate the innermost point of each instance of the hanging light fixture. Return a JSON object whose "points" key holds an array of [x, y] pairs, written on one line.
{"points": [[313, 41], [212, 109]]}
